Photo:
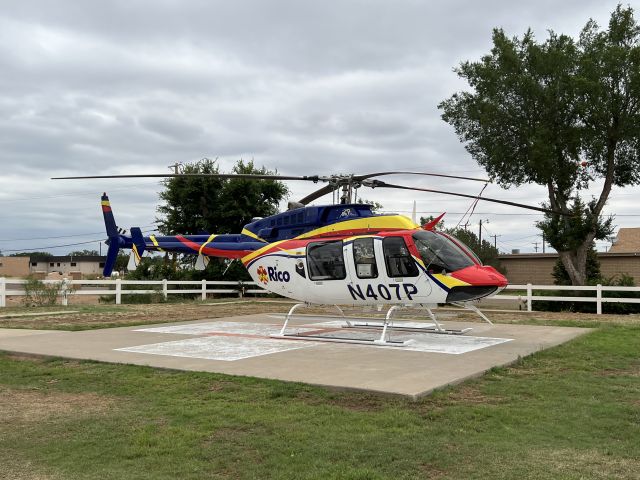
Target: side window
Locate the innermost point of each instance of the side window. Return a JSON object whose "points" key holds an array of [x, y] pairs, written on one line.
{"points": [[365, 258], [399, 261], [326, 261]]}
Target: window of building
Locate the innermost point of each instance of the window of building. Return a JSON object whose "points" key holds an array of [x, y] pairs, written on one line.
{"points": [[51, 264], [0, 264], [326, 261], [73, 264], [34, 264], [365, 258], [101, 265], [399, 261], [58, 264]]}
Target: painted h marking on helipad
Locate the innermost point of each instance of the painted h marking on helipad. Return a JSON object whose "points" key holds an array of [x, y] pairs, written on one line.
{"points": [[230, 341]]}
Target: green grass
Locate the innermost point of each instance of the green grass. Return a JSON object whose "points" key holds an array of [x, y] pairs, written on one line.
{"points": [[570, 412]]}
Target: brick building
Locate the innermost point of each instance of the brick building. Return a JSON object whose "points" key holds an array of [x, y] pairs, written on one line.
{"points": [[537, 268], [14, 266]]}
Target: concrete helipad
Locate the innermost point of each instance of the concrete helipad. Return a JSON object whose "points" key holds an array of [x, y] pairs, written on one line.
{"points": [[243, 346]]}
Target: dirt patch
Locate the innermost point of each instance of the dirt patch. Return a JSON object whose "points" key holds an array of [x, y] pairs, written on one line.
{"points": [[633, 371], [591, 463], [473, 396], [16, 469], [348, 401], [30, 406], [126, 315], [432, 472]]}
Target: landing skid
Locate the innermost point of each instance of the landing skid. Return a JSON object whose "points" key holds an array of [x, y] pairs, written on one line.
{"points": [[386, 326], [384, 340], [438, 328]]}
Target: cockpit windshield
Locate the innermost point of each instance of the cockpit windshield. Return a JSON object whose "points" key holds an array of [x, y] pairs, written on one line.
{"points": [[462, 245], [439, 253]]}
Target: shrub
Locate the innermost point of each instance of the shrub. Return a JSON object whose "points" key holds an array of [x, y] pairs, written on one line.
{"points": [[40, 294]]}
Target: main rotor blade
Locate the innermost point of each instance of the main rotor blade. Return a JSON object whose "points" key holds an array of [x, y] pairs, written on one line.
{"points": [[378, 183], [214, 175], [318, 193], [380, 174]]}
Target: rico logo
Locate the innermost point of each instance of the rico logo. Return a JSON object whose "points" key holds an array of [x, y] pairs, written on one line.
{"points": [[276, 276]]}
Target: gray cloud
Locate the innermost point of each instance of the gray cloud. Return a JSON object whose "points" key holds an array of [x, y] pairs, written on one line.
{"points": [[301, 87]]}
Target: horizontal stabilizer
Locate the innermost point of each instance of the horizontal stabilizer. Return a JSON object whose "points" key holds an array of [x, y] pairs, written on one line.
{"points": [[201, 262]]}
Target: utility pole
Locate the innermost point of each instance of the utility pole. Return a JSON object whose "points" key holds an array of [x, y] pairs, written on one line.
{"points": [[495, 240], [176, 167], [543, 240], [480, 232], [535, 246]]}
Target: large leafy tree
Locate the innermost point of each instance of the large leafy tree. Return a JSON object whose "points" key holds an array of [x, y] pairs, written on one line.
{"points": [[562, 113], [195, 205]]}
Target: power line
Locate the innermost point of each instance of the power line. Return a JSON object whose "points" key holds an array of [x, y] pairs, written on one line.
{"points": [[60, 246], [61, 236], [71, 194]]}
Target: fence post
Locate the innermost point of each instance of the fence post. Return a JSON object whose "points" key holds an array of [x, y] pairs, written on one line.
{"points": [[529, 299], [599, 299], [64, 292], [3, 292], [165, 288], [204, 289], [240, 289], [118, 291]]}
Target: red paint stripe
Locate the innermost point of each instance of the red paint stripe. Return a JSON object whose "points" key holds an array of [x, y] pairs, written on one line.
{"points": [[210, 251]]}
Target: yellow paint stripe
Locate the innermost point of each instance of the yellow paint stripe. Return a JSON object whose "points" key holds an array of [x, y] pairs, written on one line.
{"points": [[105, 203], [396, 222], [252, 235], [450, 281], [252, 255], [155, 242], [211, 237], [135, 252]]}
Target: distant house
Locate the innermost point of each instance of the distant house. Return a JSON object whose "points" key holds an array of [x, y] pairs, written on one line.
{"points": [[40, 266], [627, 241], [81, 265]]}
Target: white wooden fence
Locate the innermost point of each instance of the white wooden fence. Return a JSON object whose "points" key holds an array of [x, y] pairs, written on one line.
{"points": [[598, 298], [15, 287]]}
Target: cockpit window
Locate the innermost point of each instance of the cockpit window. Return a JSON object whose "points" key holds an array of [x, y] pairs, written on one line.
{"points": [[439, 253], [464, 247]]}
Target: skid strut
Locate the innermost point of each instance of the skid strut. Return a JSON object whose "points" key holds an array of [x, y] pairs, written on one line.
{"points": [[326, 338], [474, 309]]}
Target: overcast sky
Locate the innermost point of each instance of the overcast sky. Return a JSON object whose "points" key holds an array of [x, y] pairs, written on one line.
{"points": [[304, 87]]}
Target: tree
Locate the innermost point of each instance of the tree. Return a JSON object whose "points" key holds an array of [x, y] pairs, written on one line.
{"points": [[207, 204], [594, 274], [32, 254], [562, 114], [375, 206], [83, 253]]}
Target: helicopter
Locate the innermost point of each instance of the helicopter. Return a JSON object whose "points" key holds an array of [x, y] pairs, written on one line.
{"points": [[339, 254]]}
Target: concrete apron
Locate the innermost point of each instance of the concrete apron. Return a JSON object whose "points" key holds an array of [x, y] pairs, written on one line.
{"points": [[242, 346]]}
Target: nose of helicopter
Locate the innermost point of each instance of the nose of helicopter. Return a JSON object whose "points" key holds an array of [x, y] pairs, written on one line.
{"points": [[483, 280]]}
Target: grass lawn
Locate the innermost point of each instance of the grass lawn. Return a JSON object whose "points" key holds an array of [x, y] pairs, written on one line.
{"points": [[570, 412]]}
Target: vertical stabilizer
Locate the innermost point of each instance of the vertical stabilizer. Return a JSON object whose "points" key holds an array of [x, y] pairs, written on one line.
{"points": [[112, 234], [109, 221]]}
